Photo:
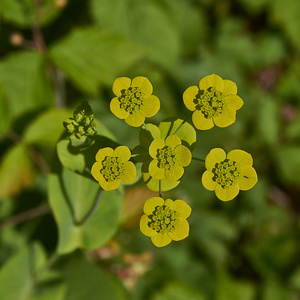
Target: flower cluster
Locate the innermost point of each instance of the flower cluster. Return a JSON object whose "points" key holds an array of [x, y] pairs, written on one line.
{"points": [[165, 150], [82, 124]]}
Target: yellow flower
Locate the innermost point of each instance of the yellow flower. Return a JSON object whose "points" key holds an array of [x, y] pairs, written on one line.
{"points": [[165, 220], [134, 101], [226, 175], [112, 166], [169, 158], [214, 102]]}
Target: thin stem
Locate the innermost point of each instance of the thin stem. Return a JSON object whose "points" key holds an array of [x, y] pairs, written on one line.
{"points": [[146, 126], [199, 159], [26, 215], [92, 210], [159, 187]]}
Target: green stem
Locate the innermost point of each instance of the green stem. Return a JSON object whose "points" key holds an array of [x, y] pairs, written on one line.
{"points": [[91, 211], [159, 187], [199, 159], [146, 126]]}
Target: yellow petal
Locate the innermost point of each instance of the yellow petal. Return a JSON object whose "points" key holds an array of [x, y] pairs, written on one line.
{"points": [[230, 88], [183, 208], [188, 97], [161, 240], [95, 171], [212, 81], [129, 172], [155, 171], [173, 141], [123, 153], [248, 178], [102, 153], [233, 102], [152, 203], [136, 119], [208, 182], [228, 193], [145, 229], [169, 203], [117, 110], [214, 156], [240, 157], [151, 106], [121, 83], [155, 145], [144, 84], [226, 118], [181, 231], [174, 173], [201, 122], [108, 185], [183, 155]]}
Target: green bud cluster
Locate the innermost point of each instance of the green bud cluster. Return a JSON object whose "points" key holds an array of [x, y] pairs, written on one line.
{"points": [[82, 123]]}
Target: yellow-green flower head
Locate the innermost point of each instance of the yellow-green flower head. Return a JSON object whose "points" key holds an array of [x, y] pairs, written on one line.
{"points": [[227, 174], [113, 166], [134, 100], [165, 220], [169, 158], [214, 102]]}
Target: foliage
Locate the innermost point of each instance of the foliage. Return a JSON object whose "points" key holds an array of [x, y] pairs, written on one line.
{"points": [[64, 238]]}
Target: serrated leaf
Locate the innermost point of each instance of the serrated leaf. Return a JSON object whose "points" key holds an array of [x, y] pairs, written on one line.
{"points": [[91, 57], [71, 198], [18, 274], [46, 129], [146, 23], [16, 171], [23, 79]]}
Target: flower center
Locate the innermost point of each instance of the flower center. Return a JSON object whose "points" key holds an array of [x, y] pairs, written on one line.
{"points": [[225, 173], [112, 168], [131, 99], [209, 102], [165, 157], [163, 219]]}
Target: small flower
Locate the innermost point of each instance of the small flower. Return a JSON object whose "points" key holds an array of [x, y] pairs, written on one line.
{"points": [[226, 175], [113, 166], [134, 101], [82, 124], [215, 102], [165, 220], [169, 158]]}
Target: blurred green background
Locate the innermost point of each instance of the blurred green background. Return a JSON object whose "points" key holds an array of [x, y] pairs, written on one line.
{"points": [[55, 53]]}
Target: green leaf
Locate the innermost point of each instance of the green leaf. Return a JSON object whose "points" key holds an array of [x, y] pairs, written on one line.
{"points": [[286, 14], [71, 197], [146, 23], [46, 129], [17, 277], [24, 13], [181, 128], [79, 159], [288, 164], [23, 79], [87, 281], [91, 57], [5, 114], [177, 291], [269, 120], [16, 171]]}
